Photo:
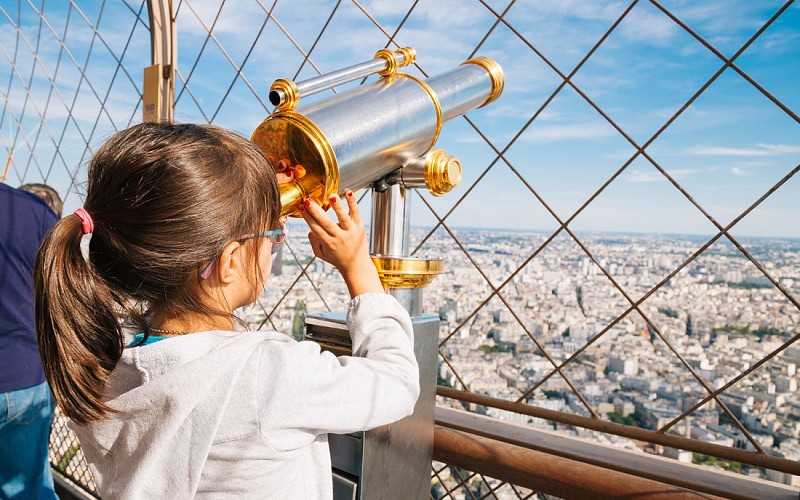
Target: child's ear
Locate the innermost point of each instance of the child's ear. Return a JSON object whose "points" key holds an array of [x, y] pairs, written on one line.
{"points": [[230, 262]]}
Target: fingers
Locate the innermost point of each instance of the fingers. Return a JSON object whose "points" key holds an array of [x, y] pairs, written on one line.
{"points": [[316, 218], [312, 222], [342, 243], [345, 222], [352, 205], [284, 178]]}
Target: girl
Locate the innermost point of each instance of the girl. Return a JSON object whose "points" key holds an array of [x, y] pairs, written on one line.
{"points": [[139, 346]]}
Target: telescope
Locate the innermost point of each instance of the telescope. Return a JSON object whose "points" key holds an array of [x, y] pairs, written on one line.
{"points": [[380, 135]]}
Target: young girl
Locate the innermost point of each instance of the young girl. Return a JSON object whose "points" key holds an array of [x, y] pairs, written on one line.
{"points": [[139, 346]]}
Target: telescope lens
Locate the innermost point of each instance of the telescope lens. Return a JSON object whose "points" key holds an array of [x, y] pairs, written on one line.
{"points": [[274, 97]]}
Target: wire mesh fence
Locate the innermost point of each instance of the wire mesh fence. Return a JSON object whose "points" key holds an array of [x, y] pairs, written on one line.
{"points": [[638, 149], [71, 75], [452, 482]]}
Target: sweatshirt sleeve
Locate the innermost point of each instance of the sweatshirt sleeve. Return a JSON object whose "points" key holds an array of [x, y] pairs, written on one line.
{"points": [[314, 392]]}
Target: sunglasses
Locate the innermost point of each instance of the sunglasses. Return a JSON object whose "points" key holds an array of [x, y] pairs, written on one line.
{"points": [[276, 237]]}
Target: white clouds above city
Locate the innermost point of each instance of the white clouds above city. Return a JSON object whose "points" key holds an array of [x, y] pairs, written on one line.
{"points": [[757, 150]]}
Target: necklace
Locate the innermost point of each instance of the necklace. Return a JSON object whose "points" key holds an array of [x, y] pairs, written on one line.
{"points": [[167, 332]]}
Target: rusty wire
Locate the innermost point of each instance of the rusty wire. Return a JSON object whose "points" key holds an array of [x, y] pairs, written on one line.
{"points": [[563, 224], [496, 290], [65, 454]]}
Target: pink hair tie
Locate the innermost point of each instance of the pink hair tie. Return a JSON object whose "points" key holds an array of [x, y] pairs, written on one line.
{"points": [[87, 224]]}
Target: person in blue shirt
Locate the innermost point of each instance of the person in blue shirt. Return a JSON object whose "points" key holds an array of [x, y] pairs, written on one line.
{"points": [[26, 410], [48, 194]]}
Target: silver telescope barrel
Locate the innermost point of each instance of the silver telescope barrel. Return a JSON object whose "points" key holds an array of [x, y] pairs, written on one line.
{"points": [[386, 61], [352, 139]]}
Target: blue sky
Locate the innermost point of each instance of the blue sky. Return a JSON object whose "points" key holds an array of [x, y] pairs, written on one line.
{"points": [[729, 147]]}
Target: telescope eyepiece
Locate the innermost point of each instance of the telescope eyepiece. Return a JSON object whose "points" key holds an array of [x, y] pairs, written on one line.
{"points": [[274, 97]]}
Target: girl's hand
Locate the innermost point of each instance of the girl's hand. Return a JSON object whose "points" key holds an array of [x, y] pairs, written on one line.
{"points": [[343, 245], [284, 178]]}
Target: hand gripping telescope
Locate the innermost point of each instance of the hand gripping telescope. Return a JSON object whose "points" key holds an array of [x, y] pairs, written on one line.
{"points": [[380, 134]]}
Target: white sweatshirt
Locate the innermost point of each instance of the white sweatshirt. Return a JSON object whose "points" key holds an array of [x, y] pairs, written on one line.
{"points": [[225, 414]]}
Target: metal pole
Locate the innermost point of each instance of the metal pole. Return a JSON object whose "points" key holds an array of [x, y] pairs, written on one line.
{"points": [[390, 221], [391, 218], [158, 96]]}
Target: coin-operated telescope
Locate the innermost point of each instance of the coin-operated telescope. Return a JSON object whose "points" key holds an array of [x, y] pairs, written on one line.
{"points": [[355, 139], [379, 136]]}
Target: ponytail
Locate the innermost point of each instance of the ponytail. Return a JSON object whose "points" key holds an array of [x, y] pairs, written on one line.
{"points": [[158, 204], [80, 339]]}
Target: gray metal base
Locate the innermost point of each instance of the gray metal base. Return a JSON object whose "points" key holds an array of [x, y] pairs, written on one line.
{"points": [[393, 461]]}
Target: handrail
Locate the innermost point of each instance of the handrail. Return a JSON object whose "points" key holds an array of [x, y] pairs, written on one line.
{"points": [[544, 473], [573, 468], [662, 438]]}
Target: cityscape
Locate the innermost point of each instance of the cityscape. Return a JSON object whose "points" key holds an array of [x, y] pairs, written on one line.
{"points": [[649, 96], [719, 312]]}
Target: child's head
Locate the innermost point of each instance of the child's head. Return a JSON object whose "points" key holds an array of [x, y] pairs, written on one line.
{"points": [[165, 201]]}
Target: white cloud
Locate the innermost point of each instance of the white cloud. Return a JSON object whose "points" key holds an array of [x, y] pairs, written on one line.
{"points": [[453, 13], [715, 18], [381, 8], [656, 176], [193, 15], [669, 112], [780, 149], [556, 10], [782, 41], [549, 133], [470, 139], [652, 27], [759, 150], [521, 108], [738, 171]]}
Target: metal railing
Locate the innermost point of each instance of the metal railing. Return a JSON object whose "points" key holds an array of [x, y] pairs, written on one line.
{"points": [[71, 74], [520, 462]]}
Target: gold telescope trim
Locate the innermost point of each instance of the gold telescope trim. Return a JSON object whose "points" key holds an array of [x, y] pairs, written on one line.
{"points": [[292, 137], [392, 62], [290, 92], [442, 172], [495, 75], [407, 272], [409, 56], [436, 105]]}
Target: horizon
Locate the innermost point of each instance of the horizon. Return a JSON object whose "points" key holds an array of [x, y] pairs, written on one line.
{"points": [[294, 222]]}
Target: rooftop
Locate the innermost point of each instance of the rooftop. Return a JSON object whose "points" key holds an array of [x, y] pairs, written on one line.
{"points": [[622, 254]]}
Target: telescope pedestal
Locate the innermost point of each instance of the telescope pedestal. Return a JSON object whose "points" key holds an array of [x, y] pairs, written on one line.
{"points": [[392, 461]]}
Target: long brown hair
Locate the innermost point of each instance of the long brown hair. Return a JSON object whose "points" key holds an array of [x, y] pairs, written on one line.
{"points": [[165, 200]]}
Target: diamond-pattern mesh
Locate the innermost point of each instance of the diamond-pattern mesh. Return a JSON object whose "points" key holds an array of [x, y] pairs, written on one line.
{"points": [[72, 76], [450, 482]]}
